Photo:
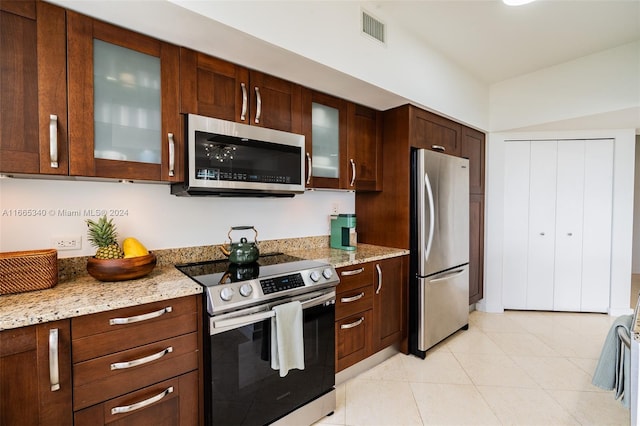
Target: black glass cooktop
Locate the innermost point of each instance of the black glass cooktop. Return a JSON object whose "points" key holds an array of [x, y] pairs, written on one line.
{"points": [[215, 272]]}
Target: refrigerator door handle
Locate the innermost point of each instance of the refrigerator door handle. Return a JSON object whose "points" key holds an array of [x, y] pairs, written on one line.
{"points": [[448, 275], [429, 191]]}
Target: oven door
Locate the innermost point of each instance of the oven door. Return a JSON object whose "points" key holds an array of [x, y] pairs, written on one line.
{"points": [[241, 388]]}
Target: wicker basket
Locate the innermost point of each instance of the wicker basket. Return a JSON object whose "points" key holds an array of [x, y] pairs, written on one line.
{"points": [[28, 270]]}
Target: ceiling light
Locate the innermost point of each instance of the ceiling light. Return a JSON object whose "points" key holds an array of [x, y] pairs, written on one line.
{"points": [[516, 2]]}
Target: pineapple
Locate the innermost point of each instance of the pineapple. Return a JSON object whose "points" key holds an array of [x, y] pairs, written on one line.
{"points": [[103, 234]]}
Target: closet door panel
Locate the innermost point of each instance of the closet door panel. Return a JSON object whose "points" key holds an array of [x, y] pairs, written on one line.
{"points": [[569, 213], [596, 249], [516, 225], [542, 213]]}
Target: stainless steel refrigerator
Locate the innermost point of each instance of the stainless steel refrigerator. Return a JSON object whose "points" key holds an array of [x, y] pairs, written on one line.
{"points": [[439, 285]]}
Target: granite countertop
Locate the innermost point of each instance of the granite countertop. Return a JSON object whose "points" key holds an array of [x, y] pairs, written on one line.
{"points": [[80, 294]]}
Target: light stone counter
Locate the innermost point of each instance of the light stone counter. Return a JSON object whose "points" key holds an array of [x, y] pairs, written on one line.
{"points": [[80, 294]]}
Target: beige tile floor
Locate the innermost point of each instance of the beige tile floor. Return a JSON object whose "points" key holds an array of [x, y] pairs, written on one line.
{"points": [[515, 368]]}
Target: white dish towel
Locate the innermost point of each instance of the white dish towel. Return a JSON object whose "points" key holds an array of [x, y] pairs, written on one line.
{"points": [[287, 341]]}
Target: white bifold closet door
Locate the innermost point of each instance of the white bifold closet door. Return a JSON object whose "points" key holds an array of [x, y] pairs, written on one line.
{"points": [[557, 225]]}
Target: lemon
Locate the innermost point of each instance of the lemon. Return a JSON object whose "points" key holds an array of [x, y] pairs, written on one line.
{"points": [[133, 248]]}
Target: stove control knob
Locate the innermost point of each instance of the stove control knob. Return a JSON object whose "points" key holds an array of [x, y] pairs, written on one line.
{"points": [[327, 273], [226, 294], [315, 276], [246, 290]]}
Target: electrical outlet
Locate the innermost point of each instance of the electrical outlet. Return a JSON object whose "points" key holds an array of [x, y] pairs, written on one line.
{"points": [[334, 209], [67, 243]]}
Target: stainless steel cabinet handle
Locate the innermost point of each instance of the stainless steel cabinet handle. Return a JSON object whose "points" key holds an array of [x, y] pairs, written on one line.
{"points": [[308, 168], [243, 113], [379, 278], [54, 370], [142, 404], [172, 155], [140, 361], [353, 272], [258, 105], [353, 172], [138, 318], [352, 298], [53, 140], [438, 147], [353, 324]]}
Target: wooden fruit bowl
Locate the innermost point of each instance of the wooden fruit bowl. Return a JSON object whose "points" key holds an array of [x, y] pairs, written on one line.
{"points": [[121, 269]]}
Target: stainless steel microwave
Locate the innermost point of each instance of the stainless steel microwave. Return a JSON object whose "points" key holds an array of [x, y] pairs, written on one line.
{"points": [[227, 158]]}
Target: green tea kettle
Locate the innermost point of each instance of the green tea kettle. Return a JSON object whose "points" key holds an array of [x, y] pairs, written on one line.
{"points": [[242, 252]]}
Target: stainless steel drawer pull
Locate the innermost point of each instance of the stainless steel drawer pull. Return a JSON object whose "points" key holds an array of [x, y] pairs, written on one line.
{"points": [[353, 324], [138, 318], [258, 105], [438, 147], [142, 404], [243, 113], [172, 155], [353, 172], [54, 370], [308, 168], [354, 272], [379, 278], [140, 361], [53, 140], [352, 298]]}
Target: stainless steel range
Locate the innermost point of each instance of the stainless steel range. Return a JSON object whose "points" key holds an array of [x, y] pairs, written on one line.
{"points": [[241, 387]]}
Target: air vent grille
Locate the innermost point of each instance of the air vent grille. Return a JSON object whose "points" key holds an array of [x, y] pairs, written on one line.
{"points": [[372, 27]]}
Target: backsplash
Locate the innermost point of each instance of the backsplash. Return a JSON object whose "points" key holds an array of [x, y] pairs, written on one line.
{"points": [[72, 267], [34, 211]]}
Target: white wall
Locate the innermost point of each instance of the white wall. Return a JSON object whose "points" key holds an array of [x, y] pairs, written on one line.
{"points": [[636, 212], [602, 88], [622, 227], [315, 43], [151, 214]]}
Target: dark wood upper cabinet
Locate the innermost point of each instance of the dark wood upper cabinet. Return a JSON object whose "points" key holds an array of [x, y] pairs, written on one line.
{"points": [[364, 148], [33, 82], [436, 133], [473, 149], [217, 88], [131, 128]]}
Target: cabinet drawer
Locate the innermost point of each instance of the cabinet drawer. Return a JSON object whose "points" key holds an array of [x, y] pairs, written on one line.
{"points": [[114, 331], [355, 276], [172, 402], [103, 378], [353, 339], [352, 301]]}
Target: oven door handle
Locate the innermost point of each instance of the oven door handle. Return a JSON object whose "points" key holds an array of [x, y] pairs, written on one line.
{"points": [[260, 316]]}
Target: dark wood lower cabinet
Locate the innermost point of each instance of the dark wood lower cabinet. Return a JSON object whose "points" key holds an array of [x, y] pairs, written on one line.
{"points": [[172, 402], [28, 395], [369, 309], [387, 301]]}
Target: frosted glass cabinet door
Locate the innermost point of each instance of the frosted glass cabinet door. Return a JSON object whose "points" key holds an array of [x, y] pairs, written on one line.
{"points": [[124, 119], [569, 214], [542, 215], [516, 224], [126, 97], [326, 141]]}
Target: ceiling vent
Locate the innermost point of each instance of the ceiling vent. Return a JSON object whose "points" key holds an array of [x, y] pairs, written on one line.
{"points": [[372, 27]]}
